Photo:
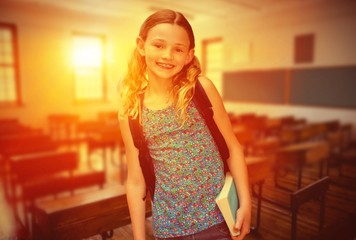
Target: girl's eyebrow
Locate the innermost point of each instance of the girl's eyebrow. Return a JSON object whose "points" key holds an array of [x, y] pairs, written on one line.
{"points": [[162, 40], [158, 39], [181, 44]]}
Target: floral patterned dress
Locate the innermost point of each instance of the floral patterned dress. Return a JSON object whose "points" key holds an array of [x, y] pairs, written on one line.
{"points": [[189, 172]]}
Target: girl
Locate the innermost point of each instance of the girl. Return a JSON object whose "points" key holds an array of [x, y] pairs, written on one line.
{"points": [[188, 168]]}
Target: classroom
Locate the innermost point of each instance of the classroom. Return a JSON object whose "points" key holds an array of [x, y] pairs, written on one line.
{"points": [[286, 72]]}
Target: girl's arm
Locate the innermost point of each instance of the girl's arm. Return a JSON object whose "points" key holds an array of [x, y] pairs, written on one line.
{"points": [[135, 185], [236, 162]]}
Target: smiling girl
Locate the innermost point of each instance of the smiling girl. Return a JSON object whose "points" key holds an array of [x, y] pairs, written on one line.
{"points": [[189, 171]]}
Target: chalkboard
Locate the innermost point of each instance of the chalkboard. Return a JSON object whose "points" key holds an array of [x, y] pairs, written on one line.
{"points": [[318, 86], [329, 87], [266, 86]]}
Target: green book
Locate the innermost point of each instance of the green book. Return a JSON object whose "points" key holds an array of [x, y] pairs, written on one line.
{"points": [[228, 203]]}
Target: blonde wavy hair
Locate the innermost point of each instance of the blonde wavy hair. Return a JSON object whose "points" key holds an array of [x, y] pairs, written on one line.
{"points": [[135, 81]]}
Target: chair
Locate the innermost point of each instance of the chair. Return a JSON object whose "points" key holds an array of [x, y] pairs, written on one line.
{"points": [[63, 127], [288, 136], [295, 158], [290, 203], [12, 127], [314, 190], [20, 144], [245, 137], [343, 150], [347, 156], [264, 146], [109, 118]]}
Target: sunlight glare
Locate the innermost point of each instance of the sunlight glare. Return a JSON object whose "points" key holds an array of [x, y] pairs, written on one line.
{"points": [[87, 52]]}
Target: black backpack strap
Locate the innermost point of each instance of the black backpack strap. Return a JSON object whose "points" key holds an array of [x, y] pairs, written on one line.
{"points": [[136, 136], [136, 128], [204, 106], [144, 156]]}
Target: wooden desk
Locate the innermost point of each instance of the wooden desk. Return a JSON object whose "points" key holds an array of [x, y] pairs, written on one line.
{"points": [[107, 138], [303, 153], [47, 174], [265, 146], [259, 168], [39, 168], [83, 215]]}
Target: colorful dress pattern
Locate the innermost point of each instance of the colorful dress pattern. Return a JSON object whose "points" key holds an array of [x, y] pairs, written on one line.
{"points": [[189, 172]]}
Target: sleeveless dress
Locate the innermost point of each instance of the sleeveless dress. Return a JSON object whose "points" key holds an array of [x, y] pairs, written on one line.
{"points": [[188, 169]]}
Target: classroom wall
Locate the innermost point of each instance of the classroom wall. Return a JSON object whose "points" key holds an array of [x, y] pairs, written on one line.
{"points": [[265, 41]]}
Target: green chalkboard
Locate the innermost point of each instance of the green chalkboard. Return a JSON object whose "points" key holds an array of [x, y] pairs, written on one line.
{"points": [[266, 86], [318, 86], [329, 87]]}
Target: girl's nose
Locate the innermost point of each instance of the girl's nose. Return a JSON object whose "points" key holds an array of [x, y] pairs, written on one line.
{"points": [[168, 54]]}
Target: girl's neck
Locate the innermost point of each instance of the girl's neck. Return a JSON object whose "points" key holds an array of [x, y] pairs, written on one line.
{"points": [[158, 86], [158, 93]]}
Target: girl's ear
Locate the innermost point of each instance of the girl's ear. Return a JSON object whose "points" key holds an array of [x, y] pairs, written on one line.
{"points": [[140, 44], [190, 56]]}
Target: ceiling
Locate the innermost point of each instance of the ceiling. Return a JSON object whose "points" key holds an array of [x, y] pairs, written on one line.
{"points": [[194, 10]]}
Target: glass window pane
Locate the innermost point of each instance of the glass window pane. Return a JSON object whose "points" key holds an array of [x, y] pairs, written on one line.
{"points": [[2, 94], [87, 60], [7, 58], [11, 90], [8, 47], [7, 35], [9, 73], [87, 52], [8, 80], [2, 74]]}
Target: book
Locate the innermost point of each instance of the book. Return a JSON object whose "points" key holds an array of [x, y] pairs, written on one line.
{"points": [[228, 203]]}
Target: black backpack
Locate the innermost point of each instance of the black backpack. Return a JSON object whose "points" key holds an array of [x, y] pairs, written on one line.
{"points": [[204, 107]]}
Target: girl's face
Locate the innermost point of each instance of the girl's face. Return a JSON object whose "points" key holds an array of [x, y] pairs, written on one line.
{"points": [[166, 50]]}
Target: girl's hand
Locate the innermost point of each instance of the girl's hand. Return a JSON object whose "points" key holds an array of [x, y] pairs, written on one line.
{"points": [[243, 222]]}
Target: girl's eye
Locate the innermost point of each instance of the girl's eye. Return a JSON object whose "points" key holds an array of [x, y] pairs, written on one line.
{"points": [[158, 45], [179, 50]]}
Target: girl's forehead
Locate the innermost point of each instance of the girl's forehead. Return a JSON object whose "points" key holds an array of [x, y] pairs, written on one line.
{"points": [[169, 32]]}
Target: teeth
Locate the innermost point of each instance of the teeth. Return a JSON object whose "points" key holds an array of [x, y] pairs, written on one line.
{"points": [[165, 65]]}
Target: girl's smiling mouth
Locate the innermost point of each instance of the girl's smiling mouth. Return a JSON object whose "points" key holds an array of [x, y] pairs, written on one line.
{"points": [[165, 65]]}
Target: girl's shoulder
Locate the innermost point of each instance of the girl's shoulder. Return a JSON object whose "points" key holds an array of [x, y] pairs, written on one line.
{"points": [[207, 84]]}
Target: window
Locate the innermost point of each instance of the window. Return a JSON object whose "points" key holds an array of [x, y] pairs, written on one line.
{"points": [[9, 80], [89, 75], [212, 61]]}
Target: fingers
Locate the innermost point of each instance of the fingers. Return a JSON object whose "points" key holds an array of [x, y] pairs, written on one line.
{"points": [[242, 224], [238, 222], [243, 232]]}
